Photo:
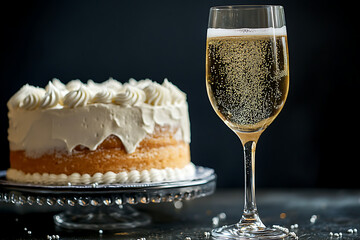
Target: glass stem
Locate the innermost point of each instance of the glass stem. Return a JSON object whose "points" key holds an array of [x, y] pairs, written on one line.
{"points": [[250, 215]]}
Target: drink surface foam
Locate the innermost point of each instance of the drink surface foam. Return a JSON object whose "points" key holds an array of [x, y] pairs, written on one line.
{"points": [[221, 32]]}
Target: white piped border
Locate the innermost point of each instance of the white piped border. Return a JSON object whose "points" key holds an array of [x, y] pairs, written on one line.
{"points": [[145, 176]]}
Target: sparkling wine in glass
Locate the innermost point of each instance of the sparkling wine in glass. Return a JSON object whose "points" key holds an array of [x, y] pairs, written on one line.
{"points": [[247, 79]]}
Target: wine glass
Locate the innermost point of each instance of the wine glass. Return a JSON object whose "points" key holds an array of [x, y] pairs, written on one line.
{"points": [[247, 79]]}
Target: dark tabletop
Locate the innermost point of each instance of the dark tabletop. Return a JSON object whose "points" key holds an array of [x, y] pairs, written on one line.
{"points": [[316, 212]]}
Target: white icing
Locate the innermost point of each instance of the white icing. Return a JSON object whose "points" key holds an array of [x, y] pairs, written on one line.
{"points": [[112, 84], [102, 96], [221, 32], [52, 97], [140, 84], [177, 96], [32, 100], [93, 85], [58, 84], [16, 100], [87, 121], [130, 96], [134, 176], [74, 85], [77, 98], [157, 95]]}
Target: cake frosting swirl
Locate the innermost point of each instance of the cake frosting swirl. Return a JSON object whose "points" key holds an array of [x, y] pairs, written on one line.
{"points": [[157, 95], [52, 97], [130, 96], [77, 98], [102, 96], [178, 96], [17, 99], [32, 100]]}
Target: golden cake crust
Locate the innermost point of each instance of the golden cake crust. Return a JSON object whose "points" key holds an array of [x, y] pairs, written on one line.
{"points": [[159, 150]]}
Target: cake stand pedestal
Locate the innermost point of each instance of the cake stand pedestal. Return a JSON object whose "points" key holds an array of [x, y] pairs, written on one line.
{"points": [[106, 206]]}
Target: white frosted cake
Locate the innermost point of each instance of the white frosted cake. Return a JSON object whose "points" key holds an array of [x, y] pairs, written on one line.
{"points": [[80, 133]]}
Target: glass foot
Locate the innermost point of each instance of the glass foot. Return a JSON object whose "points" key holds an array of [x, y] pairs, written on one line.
{"points": [[247, 231], [104, 218]]}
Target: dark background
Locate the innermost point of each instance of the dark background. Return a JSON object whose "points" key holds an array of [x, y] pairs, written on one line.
{"points": [[312, 143]]}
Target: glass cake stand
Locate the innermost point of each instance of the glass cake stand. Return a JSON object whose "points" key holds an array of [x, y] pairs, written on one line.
{"points": [[106, 206]]}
